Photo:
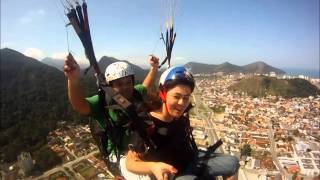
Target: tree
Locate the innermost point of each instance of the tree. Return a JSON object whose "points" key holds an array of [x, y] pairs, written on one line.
{"points": [[46, 158], [296, 132], [290, 139], [246, 150], [294, 176]]}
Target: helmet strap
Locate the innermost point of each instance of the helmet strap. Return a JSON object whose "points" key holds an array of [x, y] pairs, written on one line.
{"points": [[165, 104], [163, 96]]}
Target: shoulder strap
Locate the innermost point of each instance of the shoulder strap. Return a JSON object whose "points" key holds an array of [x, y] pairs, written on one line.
{"points": [[140, 139], [131, 110], [190, 137], [137, 95]]}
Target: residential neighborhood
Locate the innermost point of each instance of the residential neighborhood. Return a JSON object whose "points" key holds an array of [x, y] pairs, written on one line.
{"points": [[274, 137], [282, 134]]}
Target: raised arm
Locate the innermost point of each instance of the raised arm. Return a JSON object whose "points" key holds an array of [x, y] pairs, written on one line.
{"points": [[154, 63], [75, 91], [158, 169]]}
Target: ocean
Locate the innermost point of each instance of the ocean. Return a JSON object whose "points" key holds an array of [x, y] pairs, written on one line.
{"points": [[312, 73]]}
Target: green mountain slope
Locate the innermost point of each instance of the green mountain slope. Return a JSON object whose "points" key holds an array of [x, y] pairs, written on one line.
{"points": [[260, 86], [33, 99]]}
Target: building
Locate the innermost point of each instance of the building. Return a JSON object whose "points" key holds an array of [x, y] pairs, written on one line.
{"points": [[272, 74], [25, 163]]}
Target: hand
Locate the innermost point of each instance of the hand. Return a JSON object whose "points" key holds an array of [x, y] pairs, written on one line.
{"points": [[154, 61], [71, 68], [161, 170]]}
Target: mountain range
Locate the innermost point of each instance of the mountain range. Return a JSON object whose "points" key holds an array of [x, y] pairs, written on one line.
{"points": [[103, 63], [57, 63], [106, 61], [258, 67]]}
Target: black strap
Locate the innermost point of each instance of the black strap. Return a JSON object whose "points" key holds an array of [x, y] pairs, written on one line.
{"points": [[201, 166], [98, 134], [191, 138], [140, 126], [115, 133]]}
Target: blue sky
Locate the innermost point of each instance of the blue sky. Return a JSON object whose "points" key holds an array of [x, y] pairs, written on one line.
{"points": [[282, 33]]}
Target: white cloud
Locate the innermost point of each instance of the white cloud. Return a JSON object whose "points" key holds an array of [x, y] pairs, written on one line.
{"points": [[179, 60], [83, 61], [34, 53], [25, 20], [32, 15], [40, 12], [59, 55]]}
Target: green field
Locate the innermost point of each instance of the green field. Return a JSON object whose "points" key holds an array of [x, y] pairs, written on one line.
{"points": [[58, 175], [89, 172]]}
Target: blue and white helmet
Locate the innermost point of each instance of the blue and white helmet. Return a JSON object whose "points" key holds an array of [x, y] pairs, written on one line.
{"points": [[118, 70], [176, 73]]}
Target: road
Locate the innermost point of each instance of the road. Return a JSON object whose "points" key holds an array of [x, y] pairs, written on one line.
{"points": [[68, 165], [67, 149], [209, 128], [272, 149], [207, 120]]}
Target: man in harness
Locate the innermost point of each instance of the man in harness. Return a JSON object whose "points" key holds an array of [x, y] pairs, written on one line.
{"points": [[120, 77]]}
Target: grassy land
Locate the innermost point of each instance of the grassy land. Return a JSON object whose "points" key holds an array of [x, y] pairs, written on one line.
{"points": [[88, 172], [58, 175]]}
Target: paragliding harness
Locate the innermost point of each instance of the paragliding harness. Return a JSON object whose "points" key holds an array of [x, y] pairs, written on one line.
{"points": [[102, 136], [200, 168], [78, 18]]}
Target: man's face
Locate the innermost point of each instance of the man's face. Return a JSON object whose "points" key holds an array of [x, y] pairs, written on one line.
{"points": [[124, 86], [177, 100]]}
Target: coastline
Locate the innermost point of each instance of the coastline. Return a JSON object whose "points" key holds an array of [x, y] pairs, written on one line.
{"points": [[312, 73]]}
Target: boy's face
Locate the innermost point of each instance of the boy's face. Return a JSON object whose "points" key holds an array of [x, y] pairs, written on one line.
{"points": [[178, 99], [124, 86]]}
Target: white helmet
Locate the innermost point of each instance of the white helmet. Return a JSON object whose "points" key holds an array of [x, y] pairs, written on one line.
{"points": [[118, 70]]}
